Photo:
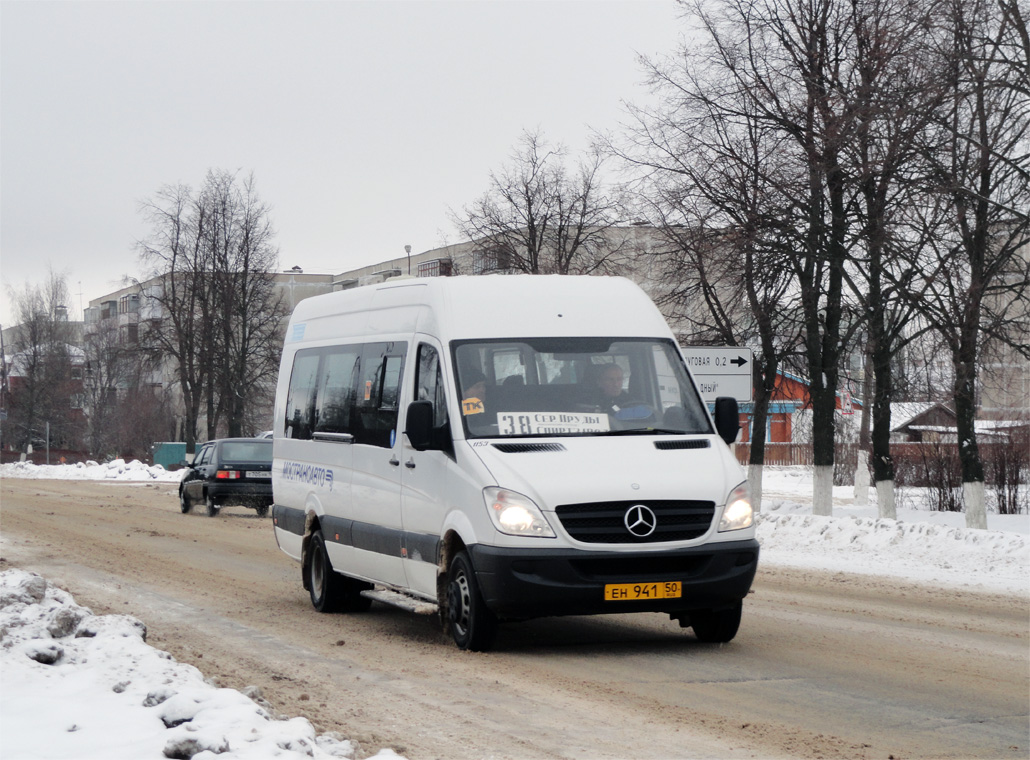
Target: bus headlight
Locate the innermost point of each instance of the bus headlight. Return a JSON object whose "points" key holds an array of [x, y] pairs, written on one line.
{"points": [[738, 513], [515, 514]]}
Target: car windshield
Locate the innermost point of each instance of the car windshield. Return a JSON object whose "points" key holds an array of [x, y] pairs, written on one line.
{"points": [[247, 451], [575, 386]]}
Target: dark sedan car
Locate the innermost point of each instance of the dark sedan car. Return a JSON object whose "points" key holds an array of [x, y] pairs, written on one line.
{"points": [[229, 472]]}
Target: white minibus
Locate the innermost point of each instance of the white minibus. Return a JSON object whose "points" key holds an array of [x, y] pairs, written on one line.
{"points": [[500, 448]]}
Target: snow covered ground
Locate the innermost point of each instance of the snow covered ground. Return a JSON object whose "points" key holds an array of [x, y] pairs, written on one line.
{"points": [[75, 685]]}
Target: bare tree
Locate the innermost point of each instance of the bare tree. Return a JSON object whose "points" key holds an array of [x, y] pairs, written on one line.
{"points": [[974, 275], [540, 217], [713, 184], [102, 372], [176, 254], [783, 71], [123, 406], [213, 254], [144, 415], [41, 387], [895, 93], [247, 341]]}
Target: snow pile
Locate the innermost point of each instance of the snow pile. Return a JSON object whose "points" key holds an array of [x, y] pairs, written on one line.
{"points": [[922, 545], [117, 469], [994, 560], [86, 686]]}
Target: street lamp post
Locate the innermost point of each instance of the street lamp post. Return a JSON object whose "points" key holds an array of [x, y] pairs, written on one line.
{"points": [[407, 250]]}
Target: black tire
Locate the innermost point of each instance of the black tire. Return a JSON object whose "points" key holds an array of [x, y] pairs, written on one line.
{"points": [[184, 502], [716, 626], [262, 511], [212, 508], [472, 625], [330, 591]]}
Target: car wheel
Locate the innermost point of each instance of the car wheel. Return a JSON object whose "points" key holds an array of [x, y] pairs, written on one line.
{"points": [[330, 591], [212, 508], [184, 502], [472, 625], [262, 511], [716, 626]]}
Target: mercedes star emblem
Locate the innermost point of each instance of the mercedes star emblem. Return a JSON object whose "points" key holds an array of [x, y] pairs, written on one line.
{"points": [[640, 521]]}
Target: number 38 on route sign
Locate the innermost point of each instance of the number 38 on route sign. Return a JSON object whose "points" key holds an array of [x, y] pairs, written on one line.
{"points": [[721, 371]]}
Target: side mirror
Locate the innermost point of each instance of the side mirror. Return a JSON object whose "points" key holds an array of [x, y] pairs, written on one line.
{"points": [[727, 418], [418, 425]]}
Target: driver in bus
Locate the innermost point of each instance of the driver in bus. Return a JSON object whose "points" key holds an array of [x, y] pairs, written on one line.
{"points": [[609, 379]]}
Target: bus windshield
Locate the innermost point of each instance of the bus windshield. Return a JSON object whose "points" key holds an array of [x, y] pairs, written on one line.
{"points": [[575, 386]]}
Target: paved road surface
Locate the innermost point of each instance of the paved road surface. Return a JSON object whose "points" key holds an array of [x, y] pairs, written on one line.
{"points": [[824, 666]]}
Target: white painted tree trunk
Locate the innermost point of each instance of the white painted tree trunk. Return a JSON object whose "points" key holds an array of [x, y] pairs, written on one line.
{"points": [[973, 497], [754, 484], [822, 491], [862, 479], [885, 499]]}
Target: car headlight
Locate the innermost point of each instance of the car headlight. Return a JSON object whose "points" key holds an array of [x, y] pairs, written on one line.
{"points": [[738, 513], [515, 514]]}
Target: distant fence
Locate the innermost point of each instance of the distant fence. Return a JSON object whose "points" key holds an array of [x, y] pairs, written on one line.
{"points": [[39, 456], [905, 454], [779, 453], [926, 465]]}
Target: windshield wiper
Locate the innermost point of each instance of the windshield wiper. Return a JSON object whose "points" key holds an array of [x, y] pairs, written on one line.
{"points": [[645, 431]]}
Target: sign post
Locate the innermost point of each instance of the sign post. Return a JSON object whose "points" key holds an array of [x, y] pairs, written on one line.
{"points": [[721, 371]]}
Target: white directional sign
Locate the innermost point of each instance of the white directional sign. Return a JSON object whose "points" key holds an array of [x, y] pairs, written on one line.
{"points": [[721, 371]]}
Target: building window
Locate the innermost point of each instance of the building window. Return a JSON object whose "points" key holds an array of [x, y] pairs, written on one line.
{"points": [[128, 304], [435, 268], [493, 260]]}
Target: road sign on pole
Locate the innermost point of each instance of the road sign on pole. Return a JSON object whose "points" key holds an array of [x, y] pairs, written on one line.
{"points": [[721, 371]]}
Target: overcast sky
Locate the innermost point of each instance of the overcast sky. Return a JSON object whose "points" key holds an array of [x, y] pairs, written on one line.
{"points": [[363, 122]]}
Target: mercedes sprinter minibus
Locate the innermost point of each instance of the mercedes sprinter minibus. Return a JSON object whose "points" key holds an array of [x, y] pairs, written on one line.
{"points": [[500, 448]]}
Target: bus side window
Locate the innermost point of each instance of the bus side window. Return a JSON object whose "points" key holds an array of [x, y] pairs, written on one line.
{"points": [[378, 393], [429, 387], [300, 401], [336, 392]]}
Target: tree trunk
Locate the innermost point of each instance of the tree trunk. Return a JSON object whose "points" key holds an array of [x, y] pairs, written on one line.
{"points": [[968, 450], [883, 461], [864, 440], [823, 433], [764, 381], [756, 459]]}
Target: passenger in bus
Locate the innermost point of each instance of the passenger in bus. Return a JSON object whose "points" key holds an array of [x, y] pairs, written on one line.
{"points": [[474, 391]]}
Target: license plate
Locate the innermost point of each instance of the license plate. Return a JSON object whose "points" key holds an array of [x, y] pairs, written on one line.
{"points": [[628, 592], [259, 474]]}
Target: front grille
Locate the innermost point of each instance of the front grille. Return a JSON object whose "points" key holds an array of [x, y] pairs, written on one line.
{"points": [[604, 522]]}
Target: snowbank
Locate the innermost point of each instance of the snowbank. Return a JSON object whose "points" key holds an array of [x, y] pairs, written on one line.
{"points": [[89, 687], [921, 545], [118, 469], [917, 551]]}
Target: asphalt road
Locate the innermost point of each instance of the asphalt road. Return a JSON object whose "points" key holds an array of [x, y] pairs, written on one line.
{"points": [[824, 666]]}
